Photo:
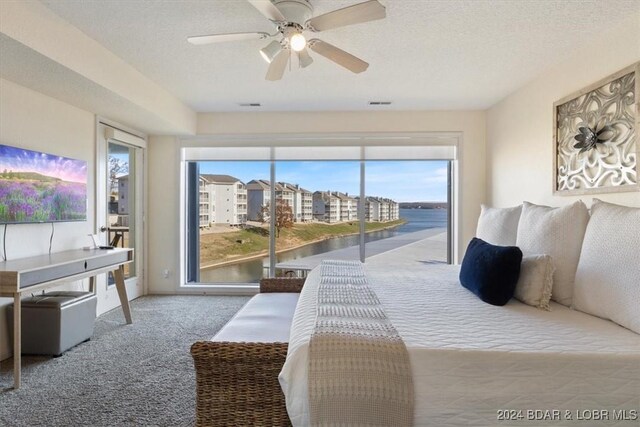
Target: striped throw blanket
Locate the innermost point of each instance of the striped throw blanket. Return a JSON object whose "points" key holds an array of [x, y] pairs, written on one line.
{"points": [[359, 370]]}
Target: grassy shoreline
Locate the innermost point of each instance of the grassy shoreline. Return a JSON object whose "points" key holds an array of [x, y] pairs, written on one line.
{"points": [[219, 249]]}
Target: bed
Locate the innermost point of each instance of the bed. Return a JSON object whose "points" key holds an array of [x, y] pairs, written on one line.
{"points": [[474, 364]]}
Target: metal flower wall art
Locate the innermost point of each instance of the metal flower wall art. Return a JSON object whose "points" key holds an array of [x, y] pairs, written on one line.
{"points": [[595, 137], [588, 138]]}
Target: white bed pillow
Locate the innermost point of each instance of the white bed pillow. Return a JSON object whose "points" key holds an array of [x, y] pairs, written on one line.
{"points": [[536, 281], [498, 226], [608, 276], [557, 232]]}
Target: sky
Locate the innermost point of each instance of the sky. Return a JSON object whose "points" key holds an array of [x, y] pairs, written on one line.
{"points": [[402, 181], [20, 160]]}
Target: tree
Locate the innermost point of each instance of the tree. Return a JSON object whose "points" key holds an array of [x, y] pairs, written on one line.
{"points": [[284, 215], [117, 168], [265, 213]]}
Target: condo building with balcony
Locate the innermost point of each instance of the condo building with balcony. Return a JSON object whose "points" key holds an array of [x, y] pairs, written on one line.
{"points": [[348, 207], [384, 209], [394, 210], [285, 194], [299, 199], [302, 199], [380, 209], [258, 196], [206, 204], [228, 199], [326, 206], [371, 209]]}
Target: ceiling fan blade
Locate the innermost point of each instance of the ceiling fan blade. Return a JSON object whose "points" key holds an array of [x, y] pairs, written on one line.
{"points": [[278, 65], [304, 58], [362, 12], [338, 56], [228, 37], [268, 9]]}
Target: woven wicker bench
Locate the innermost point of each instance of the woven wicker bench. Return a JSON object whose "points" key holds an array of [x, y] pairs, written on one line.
{"points": [[237, 382]]}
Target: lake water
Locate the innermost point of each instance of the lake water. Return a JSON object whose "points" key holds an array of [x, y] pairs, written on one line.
{"points": [[251, 271]]}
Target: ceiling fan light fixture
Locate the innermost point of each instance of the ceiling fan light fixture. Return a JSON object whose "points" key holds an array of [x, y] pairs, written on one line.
{"points": [[270, 51], [297, 42], [292, 19]]}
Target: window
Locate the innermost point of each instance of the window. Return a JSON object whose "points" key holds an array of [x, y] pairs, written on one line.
{"points": [[229, 248], [316, 212], [290, 207], [408, 200]]}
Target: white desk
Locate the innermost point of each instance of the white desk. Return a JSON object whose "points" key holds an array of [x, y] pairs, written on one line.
{"points": [[40, 272]]}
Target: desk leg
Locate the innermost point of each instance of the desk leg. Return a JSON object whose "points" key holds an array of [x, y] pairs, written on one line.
{"points": [[92, 284], [122, 293], [17, 340]]}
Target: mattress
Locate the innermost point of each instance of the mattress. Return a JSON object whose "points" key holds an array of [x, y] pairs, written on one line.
{"points": [[474, 364]]}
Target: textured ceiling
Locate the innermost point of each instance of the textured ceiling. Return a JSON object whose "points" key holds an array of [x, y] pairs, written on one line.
{"points": [[426, 54]]}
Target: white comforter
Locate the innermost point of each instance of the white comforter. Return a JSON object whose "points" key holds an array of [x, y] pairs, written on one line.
{"points": [[471, 360]]}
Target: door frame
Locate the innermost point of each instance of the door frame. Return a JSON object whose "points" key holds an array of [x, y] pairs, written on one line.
{"points": [[110, 131]]}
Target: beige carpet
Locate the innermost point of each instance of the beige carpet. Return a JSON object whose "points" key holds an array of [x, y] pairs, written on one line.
{"points": [[126, 375]]}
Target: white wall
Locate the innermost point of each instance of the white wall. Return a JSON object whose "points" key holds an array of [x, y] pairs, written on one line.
{"points": [[45, 52], [163, 217], [164, 163], [33, 121], [520, 127]]}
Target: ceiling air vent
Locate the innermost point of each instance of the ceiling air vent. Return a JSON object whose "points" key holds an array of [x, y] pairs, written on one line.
{"points": [[250, 104], [379, 102]]}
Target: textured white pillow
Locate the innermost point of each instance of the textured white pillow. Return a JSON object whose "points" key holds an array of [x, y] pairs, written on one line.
{"points": [[536, 281], [557, 232], [608, 276], [498, 226]]}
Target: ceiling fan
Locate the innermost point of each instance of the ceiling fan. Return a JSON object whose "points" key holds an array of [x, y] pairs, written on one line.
{"points": [[291, 19]]}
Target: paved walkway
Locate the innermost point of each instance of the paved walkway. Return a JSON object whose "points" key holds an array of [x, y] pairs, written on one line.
{"points": [[432, 243]]}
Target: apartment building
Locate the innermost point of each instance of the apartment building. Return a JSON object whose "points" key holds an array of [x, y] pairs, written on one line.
{"points": [[371, 209], [381, 209], [394, 210], [299, 199], [306, 198], [302, 199], [286, 194], [384, 209], [326, 206], [348, 207], [205, 202], [258, 196], [123, 197], [228, 197]]}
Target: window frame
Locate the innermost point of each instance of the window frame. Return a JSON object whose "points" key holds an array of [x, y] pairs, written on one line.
{"points": [[270, 143]]}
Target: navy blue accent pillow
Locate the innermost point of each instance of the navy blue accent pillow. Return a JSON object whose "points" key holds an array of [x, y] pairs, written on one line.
{"points": [[491, 272]]}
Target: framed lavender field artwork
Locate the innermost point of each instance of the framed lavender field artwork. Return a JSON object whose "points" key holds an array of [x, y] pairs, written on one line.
{"points": [[40, 187], [595, 137]]}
